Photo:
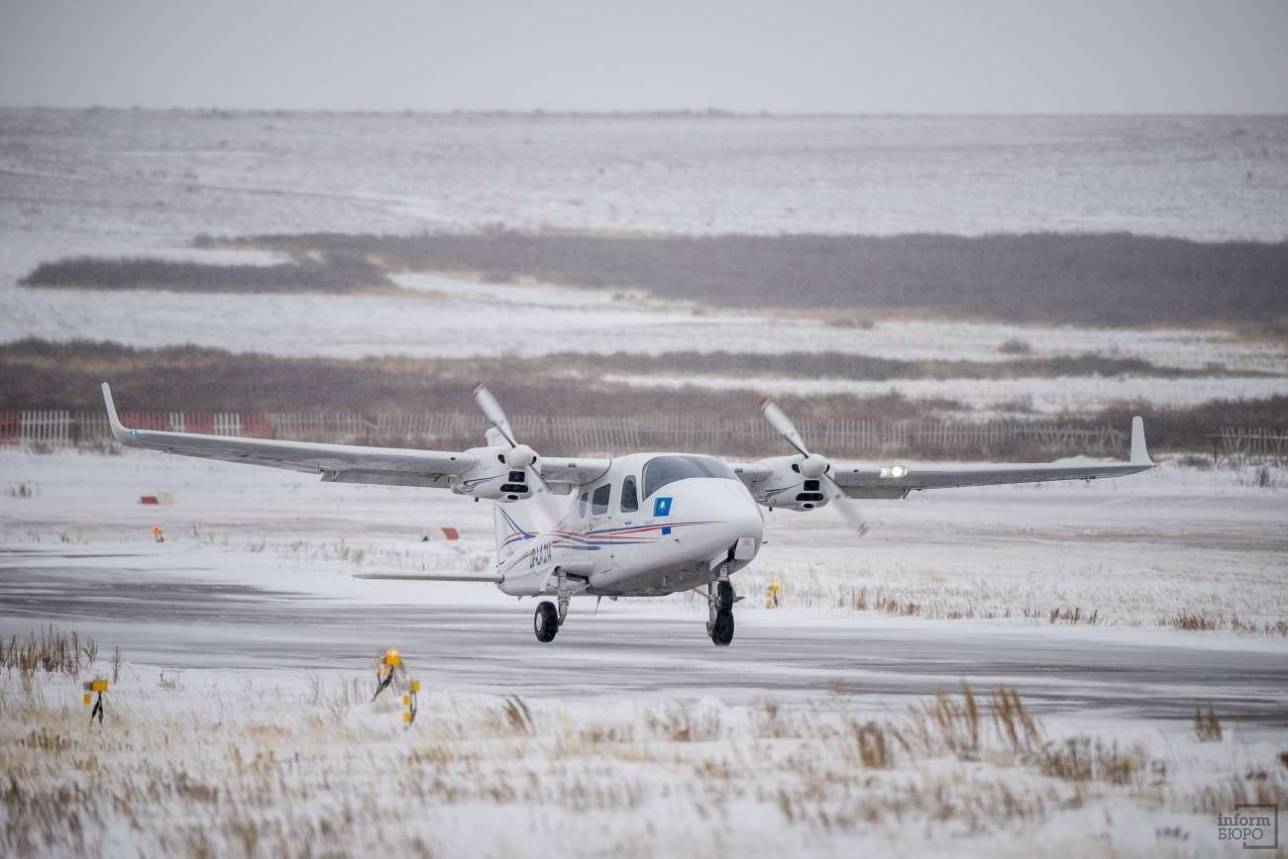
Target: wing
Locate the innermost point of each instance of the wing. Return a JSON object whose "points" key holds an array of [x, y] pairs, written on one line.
{"points": [[563, 473], [338, 463], [880, 480], [895, 480]]}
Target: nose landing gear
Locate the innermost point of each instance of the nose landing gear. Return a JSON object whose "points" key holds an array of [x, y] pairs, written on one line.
{"points": [[720, 600]]}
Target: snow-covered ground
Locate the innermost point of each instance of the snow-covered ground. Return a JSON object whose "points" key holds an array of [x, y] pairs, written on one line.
{"points": [[145, 183], [80, 182], [272, 763], [241, 722], [242, 719], [451, 317], [1072, 394]]}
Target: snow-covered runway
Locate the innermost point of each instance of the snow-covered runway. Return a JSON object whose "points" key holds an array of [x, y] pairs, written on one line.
{"points": [[639, 650]]}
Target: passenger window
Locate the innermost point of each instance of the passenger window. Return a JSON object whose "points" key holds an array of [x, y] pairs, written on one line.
{"points": [[599, 501], [581, 505], [630, 500]]}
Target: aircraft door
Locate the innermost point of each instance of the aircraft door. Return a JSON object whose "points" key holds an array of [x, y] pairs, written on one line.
{"points": [[601, 516], [599, 511]]}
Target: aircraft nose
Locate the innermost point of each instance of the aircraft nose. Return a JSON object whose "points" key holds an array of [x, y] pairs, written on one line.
{"points": [[741, 511], [724, 507]]}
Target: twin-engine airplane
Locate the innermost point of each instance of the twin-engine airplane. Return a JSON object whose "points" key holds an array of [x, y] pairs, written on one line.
{"points": [[638, 525]]}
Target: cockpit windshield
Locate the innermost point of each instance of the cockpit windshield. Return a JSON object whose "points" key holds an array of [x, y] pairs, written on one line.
{"points": [[661, 470]]}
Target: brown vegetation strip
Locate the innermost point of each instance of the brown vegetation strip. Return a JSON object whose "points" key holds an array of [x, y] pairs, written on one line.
{"points": [[1103, 279], [36, 374], [330, 273]]}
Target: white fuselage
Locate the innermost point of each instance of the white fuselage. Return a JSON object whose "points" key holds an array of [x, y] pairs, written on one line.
{"points": [[646, 527]]}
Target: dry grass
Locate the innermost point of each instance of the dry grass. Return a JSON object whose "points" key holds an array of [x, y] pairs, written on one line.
{"points": [[1258, 610], [1194, 621], [250, 769], [1207, 727], [51, 651]]}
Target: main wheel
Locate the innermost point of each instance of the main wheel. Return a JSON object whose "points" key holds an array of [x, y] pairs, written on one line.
{"points": [[722, 630], [724, 596], [545, 622]]}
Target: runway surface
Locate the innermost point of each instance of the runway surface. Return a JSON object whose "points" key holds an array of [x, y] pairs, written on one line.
{"points": [[639, 649]]}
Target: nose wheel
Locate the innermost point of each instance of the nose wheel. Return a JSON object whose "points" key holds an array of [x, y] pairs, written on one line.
{"points": [[720, 600]]}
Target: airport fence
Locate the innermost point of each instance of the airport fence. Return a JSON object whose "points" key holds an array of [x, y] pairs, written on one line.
{"points": [[1256, 444], [583, 434]]}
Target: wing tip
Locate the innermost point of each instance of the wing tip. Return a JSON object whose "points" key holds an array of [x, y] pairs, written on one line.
{"points": [[1139, 451], [119, 432]]}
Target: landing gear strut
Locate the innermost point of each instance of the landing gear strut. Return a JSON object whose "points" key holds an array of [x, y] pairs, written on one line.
{"points": [[720, 600]]}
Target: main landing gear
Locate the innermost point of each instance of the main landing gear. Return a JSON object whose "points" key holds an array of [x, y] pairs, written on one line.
{"points": [[547, 619], [720, 600]]}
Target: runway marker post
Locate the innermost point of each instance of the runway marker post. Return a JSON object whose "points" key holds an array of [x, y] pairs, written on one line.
{"points": [[97, 686]]}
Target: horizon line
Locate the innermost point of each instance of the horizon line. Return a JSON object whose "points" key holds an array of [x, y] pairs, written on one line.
{"points": [[690, 113]]}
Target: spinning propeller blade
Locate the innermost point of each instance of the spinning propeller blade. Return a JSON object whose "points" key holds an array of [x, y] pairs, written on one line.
{"points": [[783, 424], [814, 465], [521, 456], [493, 411], [845, 506]]}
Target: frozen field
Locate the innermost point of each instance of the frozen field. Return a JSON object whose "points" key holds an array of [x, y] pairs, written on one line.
{"points": [[242, 715], [94, 182], [1073, 394], [449, 317], [145, 183]]}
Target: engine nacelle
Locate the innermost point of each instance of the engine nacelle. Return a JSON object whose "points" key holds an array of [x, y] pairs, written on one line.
{"points": [[500, 474], [793, 483]]}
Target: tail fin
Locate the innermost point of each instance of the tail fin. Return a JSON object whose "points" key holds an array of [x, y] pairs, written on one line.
{"points": [[512, 533]]}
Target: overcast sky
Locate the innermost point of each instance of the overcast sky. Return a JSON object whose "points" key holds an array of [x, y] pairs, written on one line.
{"points": [[990, 56]]}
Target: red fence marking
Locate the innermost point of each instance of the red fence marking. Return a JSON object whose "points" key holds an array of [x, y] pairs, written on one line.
{"points": [[10, 427], [146, 420], [256, 424], [202, 422]]}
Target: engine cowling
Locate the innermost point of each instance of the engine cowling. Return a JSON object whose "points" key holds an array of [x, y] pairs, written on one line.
{"points": [[499, 474], [793, 483]]}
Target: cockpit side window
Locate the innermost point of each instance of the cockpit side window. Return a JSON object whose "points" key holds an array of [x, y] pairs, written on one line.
{"points": [[630, 499], [661, 470], [599, 501]]}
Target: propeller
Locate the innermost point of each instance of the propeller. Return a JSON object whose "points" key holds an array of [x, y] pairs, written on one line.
{"points": [[520, 456], [815, 466]]}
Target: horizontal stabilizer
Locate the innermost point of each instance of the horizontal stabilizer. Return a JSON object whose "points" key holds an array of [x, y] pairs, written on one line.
{"points": [[427, 577]]}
